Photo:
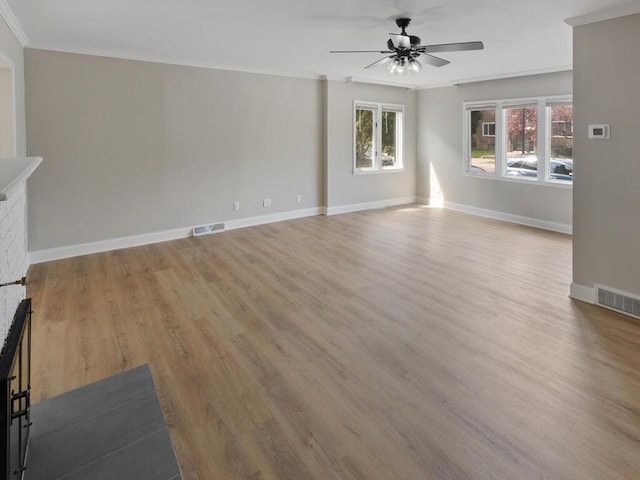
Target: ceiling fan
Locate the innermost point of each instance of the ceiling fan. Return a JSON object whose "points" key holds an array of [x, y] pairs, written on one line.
{"points": [[404, 50]]}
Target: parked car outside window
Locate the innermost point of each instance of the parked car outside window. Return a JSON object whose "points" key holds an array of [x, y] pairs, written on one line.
{"points": [[527, 166]]}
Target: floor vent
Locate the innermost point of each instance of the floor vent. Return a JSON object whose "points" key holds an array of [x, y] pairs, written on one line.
{"points": [[207, 229], [619, 301]]}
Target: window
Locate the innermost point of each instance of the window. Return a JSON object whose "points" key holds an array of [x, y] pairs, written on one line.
{"points": [[561, 128], [489, 129], [364, 137], [377, 137], [561, 141], [483, 145], [520, 139]]}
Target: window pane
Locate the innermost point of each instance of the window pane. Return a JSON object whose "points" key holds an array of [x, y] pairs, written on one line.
{"points": [[483, 141], [390, 135], [488, 129], [561, 167], [522, 141], [364, 138]]}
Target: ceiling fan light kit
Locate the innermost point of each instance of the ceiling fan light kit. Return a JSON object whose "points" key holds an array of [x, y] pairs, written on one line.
{"points": [[399, 66], [404, 50]]}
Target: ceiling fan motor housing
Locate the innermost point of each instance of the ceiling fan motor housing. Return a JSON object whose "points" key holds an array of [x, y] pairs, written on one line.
{"points": [[403, 23]]}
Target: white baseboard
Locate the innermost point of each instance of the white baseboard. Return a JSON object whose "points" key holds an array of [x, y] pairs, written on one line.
{"points": [[50, 254], [583, 293], [272, 218], [356, 207], [58, 253], [508, 217], [40, 256]]}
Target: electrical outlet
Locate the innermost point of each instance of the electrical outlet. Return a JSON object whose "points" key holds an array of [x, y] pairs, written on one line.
{"points": [[298, 198], [236, 205], [266, 202]]}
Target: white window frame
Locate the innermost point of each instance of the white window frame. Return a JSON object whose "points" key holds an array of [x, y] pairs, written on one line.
{"points": [[543, 105], [378, 108], [488, 125]]}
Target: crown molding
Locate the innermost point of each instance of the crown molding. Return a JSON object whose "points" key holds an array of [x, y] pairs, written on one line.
{"points": [[332, 78], [500, 76], [379, 82], [602, 15], [214, 66], [366, 80], [165, 60], [12, 23]]}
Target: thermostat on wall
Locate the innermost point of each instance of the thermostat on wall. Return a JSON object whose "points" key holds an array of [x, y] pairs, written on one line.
{"points": [[599, 131]]}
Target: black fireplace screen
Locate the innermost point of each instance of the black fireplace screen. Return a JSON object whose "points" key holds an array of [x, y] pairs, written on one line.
{"points": [[15, 385]]}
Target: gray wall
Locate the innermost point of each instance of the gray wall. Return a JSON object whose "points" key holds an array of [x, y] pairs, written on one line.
{"points": [[607, 172], [7, 114], [135, 147], [343, 187], [440, 146]]}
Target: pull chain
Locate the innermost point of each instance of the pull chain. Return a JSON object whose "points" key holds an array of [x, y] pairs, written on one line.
{"points": [[22, 281]]}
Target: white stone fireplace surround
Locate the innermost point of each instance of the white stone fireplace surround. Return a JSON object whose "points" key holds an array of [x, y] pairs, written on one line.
{"points": [[14, 260]]}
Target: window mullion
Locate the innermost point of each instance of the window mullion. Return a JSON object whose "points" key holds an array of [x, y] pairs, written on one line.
{"points": [[544, 132], [378, 139], [500, 140]]}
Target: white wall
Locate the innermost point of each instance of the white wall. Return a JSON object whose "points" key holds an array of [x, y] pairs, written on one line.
{"points": [[607, 172], [13, 255], [440, 149], [12, 252], [343, 187], [136, 147]]}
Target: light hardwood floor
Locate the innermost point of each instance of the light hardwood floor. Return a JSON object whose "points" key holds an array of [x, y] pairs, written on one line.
{"points": [[404, 343]]}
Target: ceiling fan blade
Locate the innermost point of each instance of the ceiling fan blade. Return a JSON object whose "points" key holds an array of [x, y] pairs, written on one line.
{"points": [[401, 41], [382, 61], [452, 47], [360, 51], [434, 61]]}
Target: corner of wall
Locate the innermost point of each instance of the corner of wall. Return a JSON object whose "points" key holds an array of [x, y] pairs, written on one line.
{"points": [[582, 293]]}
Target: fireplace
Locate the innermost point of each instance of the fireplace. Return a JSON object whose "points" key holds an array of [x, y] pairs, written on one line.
{"points": [[15, 385], [15, 365]]}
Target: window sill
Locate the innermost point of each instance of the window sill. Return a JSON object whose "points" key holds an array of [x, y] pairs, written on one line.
{"points": [[383, 170], [514, 179]]}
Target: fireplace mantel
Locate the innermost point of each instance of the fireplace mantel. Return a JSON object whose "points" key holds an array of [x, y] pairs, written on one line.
{"points": [[14, 172]]}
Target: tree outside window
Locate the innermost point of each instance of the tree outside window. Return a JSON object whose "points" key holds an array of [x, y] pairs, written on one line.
{"points": [[517, 135], [377, 134], [364, 132], [522, 131]]}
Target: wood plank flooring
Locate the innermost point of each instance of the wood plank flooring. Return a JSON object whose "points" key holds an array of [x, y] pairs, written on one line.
{"points": [[404, 343]]}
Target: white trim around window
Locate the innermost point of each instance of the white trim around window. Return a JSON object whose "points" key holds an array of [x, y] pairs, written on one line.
{"points": [[489, 157], [488, 129], [378, 137]]}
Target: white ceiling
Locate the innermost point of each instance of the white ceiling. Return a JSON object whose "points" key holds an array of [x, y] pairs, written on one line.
{"points": [[293, 37]]}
